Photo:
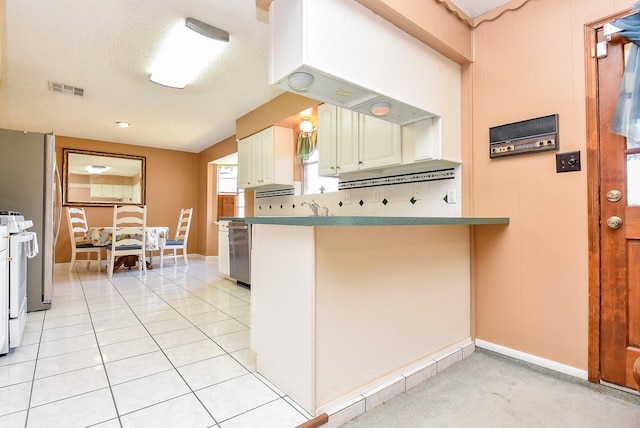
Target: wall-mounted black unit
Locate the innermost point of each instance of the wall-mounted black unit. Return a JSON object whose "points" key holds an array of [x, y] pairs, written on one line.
{"points": [[528, 136]]}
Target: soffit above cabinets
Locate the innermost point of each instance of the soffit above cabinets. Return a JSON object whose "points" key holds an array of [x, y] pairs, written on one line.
{"points": [[344, 94]]}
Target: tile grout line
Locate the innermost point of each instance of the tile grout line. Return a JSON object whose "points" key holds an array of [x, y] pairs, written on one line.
{"points": [[205, 284], [95, 335]]}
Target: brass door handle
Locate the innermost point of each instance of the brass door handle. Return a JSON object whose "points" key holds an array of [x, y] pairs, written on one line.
{"points": [[614, 222], [614, 195]]}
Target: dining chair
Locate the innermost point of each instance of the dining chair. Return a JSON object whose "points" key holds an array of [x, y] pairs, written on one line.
{"points": [[182, 235], [80, 242], [128, 235]]}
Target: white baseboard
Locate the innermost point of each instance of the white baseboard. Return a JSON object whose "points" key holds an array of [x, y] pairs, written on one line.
{"points": [[542, 362]]}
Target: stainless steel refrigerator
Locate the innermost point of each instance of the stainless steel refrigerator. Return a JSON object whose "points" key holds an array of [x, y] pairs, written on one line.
{"points": [[30, 185]]}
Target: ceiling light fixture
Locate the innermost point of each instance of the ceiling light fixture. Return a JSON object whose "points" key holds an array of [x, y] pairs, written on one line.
{"points": [[306, 125], [123, 124], [300, 81], [186, 52], [96, 169], [381, 108]]}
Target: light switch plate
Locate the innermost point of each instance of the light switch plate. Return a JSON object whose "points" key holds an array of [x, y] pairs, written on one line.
{"points": [[568, 161]]}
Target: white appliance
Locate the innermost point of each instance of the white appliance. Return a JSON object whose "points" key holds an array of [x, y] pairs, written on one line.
{"points": [[22, 245], [30, 185], [4, 288]]}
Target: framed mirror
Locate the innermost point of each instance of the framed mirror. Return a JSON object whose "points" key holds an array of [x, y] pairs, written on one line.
{"points": [[102, 179]]}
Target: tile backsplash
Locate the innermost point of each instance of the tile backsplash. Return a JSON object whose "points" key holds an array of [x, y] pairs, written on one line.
{"points": [[412, 199]]}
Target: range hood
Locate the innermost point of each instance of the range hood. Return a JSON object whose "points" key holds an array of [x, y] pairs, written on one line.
{"points": [[350, 57], [319, 85]]}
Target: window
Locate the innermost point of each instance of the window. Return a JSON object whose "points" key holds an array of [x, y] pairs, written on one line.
{"points": [[228, 186], [240, 203], [312, 183]]}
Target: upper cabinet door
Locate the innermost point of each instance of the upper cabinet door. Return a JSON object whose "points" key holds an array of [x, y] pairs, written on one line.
{"points": [[245, 163], [379, 143], [266, 157], [348, 157], [327, 135]]}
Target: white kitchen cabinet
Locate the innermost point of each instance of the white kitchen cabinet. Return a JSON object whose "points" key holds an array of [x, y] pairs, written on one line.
{"points": [[118, 191], [422, 142], [223, 248], [113, 191], [127, 192], [123, 191], [101, 191], [245, 163], [349, 141], [265, 159], [337, 140], [379, 143]]}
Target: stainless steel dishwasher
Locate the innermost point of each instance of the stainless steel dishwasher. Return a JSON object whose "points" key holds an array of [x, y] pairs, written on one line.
{"points": [[240, 252]]}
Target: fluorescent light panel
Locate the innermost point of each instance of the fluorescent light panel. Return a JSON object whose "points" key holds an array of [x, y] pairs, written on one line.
{"points": [[187, 50]]}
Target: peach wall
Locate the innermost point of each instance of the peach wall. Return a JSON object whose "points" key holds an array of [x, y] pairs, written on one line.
{"points": [[277, 111], [531, 282], [437, 23], [268, 114], [172, 183]]}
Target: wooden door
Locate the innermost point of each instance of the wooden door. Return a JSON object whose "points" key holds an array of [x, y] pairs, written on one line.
{"points": [[226, 206], [619, 170]]}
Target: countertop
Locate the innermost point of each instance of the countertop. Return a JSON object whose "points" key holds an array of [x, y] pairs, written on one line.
{"points": [[370, 221]]}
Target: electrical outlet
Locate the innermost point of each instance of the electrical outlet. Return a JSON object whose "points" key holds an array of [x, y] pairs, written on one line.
{"points": [[451, 196], [376, 195], [347, 198], [417, 192]]}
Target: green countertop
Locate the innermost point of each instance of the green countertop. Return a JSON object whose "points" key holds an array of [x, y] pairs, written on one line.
{"points": [[370, 221]]}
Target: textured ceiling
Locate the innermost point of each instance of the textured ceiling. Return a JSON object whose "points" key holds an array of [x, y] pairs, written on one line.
{"points": [[475, 8], [106, 47]]}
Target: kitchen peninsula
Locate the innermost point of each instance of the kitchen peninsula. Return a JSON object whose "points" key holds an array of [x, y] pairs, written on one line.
{"points": [[343, 306]]}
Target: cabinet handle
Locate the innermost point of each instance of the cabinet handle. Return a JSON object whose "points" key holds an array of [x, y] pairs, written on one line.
{"points": [[360, 163]]}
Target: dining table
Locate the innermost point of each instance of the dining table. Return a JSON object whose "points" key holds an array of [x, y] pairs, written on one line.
{"points": [[155, 240]]}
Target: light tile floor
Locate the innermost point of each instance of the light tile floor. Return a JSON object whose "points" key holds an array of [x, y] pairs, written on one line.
{"points": [[165, 349]]}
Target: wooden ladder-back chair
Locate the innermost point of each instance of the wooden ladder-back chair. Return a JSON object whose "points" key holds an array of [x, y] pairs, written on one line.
{"points": [[182, 235], [80, 241], [128, 235]]}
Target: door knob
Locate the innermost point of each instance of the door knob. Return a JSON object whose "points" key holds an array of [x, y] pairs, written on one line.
{"points": [[614, 222], [614, 195]]}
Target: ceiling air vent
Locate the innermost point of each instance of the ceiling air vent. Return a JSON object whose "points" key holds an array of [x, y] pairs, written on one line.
{"points": [[66, 89]]}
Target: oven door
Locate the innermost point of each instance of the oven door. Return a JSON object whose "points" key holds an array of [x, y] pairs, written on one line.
{"points": [[18, 286]]}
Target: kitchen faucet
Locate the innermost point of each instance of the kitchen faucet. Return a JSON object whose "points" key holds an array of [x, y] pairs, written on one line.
{"points": [[314, 206]]}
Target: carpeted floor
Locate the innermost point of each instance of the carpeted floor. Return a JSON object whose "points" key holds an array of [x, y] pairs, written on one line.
{"points": [[490, 390]]}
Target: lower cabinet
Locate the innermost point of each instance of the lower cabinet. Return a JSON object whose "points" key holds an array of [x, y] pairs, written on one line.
{"points": [[223, 248]]}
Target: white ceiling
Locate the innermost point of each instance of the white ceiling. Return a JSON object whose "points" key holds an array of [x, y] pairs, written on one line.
{"points": [[106, 47]]}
